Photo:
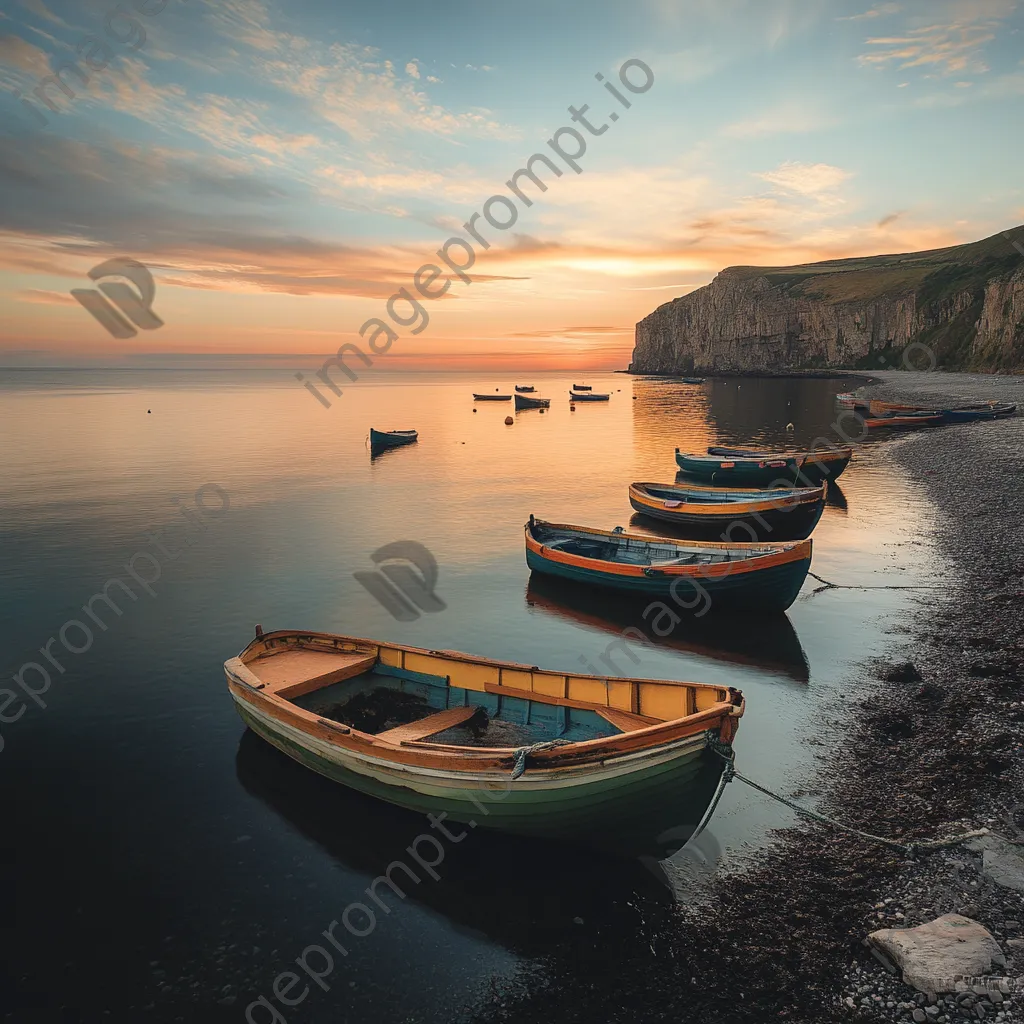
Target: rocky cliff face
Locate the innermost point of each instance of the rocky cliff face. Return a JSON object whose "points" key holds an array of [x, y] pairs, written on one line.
{"points": [[964, 304]]}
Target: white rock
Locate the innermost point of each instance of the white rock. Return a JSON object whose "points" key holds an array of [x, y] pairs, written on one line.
{"points": [[933, 955]]}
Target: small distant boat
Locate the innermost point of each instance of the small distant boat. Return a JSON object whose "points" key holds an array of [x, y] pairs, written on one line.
{"points": [[392, 438], [694, 380], [741, 472], [523, 402], [816, 466], [588, 396], [906, 420], [582, 387], [695, 575], [491, 398], [501, 745], [784, 513], [851, 401], [525, 389]]}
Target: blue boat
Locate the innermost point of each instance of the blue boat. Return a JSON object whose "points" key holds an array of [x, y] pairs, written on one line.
{"points": [[982, 411], [741, 472], [588, 396], [392, 438]]}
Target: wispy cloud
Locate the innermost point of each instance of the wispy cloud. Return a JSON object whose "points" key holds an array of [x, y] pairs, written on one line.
{"points": [[806, 179], [878, 11], [789, 118]]}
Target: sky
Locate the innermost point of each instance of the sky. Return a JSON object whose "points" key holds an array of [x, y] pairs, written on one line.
{"points": [[283, 169]]}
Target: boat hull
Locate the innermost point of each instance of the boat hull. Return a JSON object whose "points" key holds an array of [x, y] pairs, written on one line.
{"points": [[588, 396], [739, 472], [794, 521], [389, 439], [816, 466], [525, 402], [558, 808]]}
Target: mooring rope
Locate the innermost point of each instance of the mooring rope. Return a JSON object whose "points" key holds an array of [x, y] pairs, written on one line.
{"points": [[910, 849], [524, 752], [829, 585]]}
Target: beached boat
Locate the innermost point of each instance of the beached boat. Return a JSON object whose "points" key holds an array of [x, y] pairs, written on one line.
{"points": [[497, 744], [785, 513], [588, 396], [737, 472], [904, 421], [582, 387], [851, 401], [981, 411], [525, 402], [694, 380], [392, 438], [525, 389], [821, 464], [877, 408], [695, 575], [492, 398]]}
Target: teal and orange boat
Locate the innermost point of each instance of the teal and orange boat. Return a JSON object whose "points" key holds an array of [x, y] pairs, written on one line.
{"points": [[698, 576], [745, 513], [740, 472], [816, 466], [495, 744]]}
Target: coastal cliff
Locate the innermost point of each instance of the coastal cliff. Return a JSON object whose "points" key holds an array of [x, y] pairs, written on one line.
{"points": [[965, 303]]}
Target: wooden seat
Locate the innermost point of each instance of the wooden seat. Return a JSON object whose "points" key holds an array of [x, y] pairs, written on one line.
{"points": [[626, 720], [291, 672], [431, 725]]}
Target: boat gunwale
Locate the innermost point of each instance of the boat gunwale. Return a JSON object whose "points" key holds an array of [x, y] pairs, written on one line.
{"points": [[787, 499], [244, 684]]}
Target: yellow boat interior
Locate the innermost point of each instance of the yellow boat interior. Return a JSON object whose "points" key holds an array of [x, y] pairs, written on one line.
{"points": [[406, 695]]}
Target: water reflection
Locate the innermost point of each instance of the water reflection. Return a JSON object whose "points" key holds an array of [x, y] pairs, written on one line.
{"points": [[835, 498], [519, 892], [769, 642]]}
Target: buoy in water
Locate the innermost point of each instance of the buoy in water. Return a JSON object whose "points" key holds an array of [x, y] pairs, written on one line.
{"points": [[474, 410], [508, 421]]}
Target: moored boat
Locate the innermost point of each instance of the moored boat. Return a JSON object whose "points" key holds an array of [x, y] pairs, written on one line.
{"points": [[392, 438], [497, 744], [740, 472], [492, 398], [984, 411], [744, 514], [526, 402], [694, 380], [820, 464], [906, 420], [588, 396], [582, 387], [525, 389], [698, 576]]}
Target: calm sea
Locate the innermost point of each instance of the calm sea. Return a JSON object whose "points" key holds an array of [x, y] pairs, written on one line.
{"points": [[163, 865]]}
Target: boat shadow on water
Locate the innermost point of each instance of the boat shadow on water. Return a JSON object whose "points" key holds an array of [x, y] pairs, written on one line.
{"points": [[510, 889], [765, 642]]}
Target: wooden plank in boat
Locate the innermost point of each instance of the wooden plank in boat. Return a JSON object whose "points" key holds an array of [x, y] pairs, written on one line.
{"points": [[293, 672], [430, 725], [625, 720]]}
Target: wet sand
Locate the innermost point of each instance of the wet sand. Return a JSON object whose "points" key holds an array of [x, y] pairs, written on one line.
{"points": [[932, 748]]}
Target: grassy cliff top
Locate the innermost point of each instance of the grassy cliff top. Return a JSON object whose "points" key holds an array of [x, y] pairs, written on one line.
{"points": [[935, 271]]}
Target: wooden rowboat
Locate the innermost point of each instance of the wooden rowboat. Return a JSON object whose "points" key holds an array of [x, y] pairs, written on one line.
{"points": [[816, 466], [740, 472], [525, 389], [697, 576], [984, 411], [492, 398], [392, 438], [490, 743], [588, 396], [740, 513], [525, 402]]}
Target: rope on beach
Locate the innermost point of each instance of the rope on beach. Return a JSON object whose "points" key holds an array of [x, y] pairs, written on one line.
{"points": [[524, 752], [828, 585], [909, 848]]}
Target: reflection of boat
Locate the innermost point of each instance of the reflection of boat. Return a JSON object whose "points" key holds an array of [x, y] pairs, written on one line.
{"points": [[815, 466], [588, 396], [768, 643], [735, 472], [525, 389], [524, 402], [498, 744], [835, 498], [491, 398], [742, 513], [528, 913], [381, 439], [697, 575]]}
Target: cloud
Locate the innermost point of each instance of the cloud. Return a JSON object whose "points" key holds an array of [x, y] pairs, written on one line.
{"points": [[45, 298], [890, 219], [412, 70], [806, 179], [878, 11], [783, 120], [22, 55]]}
